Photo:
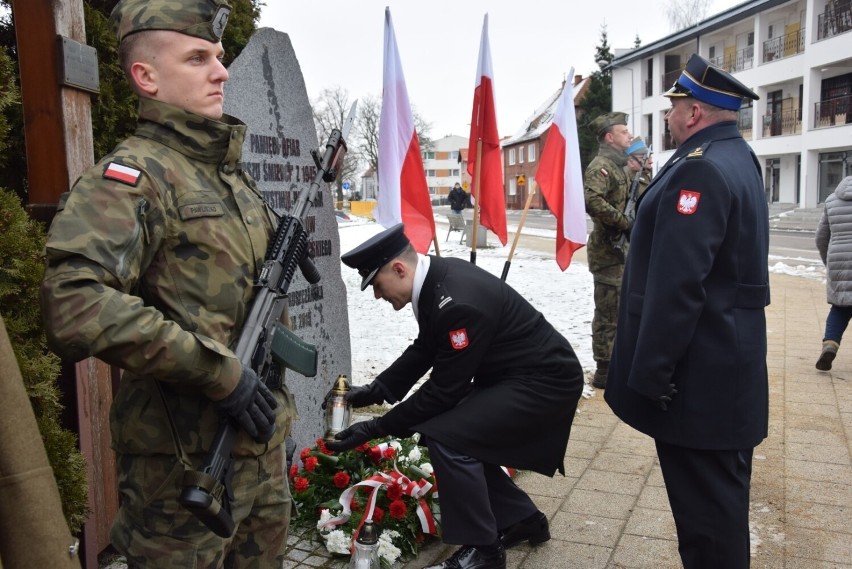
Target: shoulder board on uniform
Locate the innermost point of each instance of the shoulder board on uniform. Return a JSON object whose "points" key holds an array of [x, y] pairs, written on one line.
{"points": [[698, 152], [444, 300], [122, 173], [604, 172]]}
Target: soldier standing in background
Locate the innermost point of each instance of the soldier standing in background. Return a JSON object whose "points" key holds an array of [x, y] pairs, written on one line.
{"points": [[605, 185], [151, 261], [639, 160]]}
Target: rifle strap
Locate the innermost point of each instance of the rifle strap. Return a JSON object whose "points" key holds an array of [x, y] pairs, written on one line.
{"points": [[180, 453]]}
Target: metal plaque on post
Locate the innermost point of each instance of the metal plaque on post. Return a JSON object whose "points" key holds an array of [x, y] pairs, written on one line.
{"points": [[78, 65]]}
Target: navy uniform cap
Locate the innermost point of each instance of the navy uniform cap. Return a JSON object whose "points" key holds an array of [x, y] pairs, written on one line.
{"points": [[373, 254], [702, 80]]}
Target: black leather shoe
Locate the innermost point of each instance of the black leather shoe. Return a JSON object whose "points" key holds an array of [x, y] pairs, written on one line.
{"points": [[535, 530], [469, 557]]}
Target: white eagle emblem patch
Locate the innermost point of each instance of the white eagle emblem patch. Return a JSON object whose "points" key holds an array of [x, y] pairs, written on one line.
{"points": [[687, 203], [459, 339]]}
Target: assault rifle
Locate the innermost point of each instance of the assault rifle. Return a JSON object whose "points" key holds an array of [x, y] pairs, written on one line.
{"points": [[265, 344], [632, 198]]}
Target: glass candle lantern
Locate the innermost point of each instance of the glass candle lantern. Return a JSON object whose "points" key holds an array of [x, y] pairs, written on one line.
{"points": [[338, 412], [365, 554]]}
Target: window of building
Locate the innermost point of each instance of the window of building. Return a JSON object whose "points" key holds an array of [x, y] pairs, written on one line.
{"points": [[454, 155], [513, 186], [531, 152], [454, 172], [520, 155], [833, 167], [430, 173], [511, 156], [428, 155]]}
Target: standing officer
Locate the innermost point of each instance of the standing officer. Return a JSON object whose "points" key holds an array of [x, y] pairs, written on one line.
{"points": [[605, 186], [689, 362], [503, 391], [150, 265]]}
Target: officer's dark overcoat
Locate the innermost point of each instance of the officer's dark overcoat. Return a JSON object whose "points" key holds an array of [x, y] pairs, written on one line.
{"points": [[695, 287], [518, 409]]}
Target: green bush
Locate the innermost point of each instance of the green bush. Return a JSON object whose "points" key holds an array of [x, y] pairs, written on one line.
{"points": [[21, 270]]}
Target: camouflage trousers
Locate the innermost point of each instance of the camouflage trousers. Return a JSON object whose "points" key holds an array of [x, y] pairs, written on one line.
{"points": [[153, 530], [607, 293]]}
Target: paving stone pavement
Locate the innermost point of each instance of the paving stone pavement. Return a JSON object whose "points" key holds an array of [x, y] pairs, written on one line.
{"points": [[610, 511]]}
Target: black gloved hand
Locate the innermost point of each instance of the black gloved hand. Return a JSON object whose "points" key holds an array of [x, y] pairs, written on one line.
{"points": [[664, 400], [360, 395], [252, 405], [355, 435]]}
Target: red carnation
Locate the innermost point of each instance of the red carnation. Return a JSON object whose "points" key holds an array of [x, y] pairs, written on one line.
{"points": [[341, 480], [378, 515], [398, 509], [300, 484], [363, 448], [304, 454], [311, 463], [394, 491], [390, 453], [354, 505], [294, 470]]}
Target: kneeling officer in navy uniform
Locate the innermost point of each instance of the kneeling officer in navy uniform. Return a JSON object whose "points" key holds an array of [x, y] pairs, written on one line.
{"points": [[503, 391]]}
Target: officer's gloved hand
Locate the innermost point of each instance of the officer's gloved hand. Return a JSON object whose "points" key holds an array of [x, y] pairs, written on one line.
{"points": [[355, 435], [664, 400], [252, 405], [361, 395]]}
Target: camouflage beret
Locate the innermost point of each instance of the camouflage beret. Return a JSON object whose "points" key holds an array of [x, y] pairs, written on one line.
{"points": [[603, 122], [205, 19]]}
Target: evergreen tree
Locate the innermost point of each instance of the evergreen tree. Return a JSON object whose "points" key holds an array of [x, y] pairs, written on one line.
{"points": [[596, 101]]}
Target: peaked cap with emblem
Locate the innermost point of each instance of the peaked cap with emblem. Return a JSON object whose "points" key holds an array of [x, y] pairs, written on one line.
{"points": [[702, 80], [205, 19], [605, 121], [373, 254]]}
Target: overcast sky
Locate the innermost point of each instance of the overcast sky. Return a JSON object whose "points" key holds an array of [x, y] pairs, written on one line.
{"points": [[533, 45]]}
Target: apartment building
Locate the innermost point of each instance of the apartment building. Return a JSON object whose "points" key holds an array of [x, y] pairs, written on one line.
{"points": [[796, 55], [442, 167]]}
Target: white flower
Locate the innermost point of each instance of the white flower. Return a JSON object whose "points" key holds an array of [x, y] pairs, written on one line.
{"points": [[427, 468], [395, 445], [338, 542], [387, 550], [415, 454], [325, 515], [415, 438]]}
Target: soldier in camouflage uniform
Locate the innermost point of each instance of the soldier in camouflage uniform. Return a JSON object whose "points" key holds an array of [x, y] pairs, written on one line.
{"points": [[150, 265], [639, 158], [605, 186]]}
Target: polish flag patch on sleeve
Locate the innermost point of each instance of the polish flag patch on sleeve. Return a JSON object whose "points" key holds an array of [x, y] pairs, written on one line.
{"points": [[687, 202], [459, 339], [121, 173]]}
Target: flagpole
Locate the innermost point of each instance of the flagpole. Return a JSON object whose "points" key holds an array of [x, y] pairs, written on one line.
{"points": [[517, 235], [477, 199], [435, 241]]}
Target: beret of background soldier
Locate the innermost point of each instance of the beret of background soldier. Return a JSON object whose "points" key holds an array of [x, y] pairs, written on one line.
{"points": [[637, 148], [374, 253], [205, 19], [702, 80], [605, 121]]}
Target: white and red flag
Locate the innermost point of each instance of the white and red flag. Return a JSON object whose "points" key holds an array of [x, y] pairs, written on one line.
{"points": [[561, 178], [403, 193], [484, 146]]}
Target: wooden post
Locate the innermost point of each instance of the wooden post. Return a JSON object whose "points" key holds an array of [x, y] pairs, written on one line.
{"points": [[58, 134]]}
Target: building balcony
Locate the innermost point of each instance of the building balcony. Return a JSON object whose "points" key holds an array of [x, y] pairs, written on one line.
{"points": [[784, 46], [736, 61], [836, 19], [782, 123], [832, 112]]}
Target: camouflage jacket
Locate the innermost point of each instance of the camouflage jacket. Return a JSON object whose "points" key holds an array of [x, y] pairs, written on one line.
{"points": [[605, 185], [150, 264]]}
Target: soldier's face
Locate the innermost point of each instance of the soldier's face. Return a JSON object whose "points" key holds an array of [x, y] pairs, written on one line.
{"points": [[391, 284], [619, 137], [188, 73]]}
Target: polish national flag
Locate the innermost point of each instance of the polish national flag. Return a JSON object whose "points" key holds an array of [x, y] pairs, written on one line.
{"points": [[483, 128], [403, 193], [561, 178]]}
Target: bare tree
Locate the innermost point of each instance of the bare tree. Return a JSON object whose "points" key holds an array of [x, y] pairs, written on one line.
{"points": [[682, 14], [330, 111]]}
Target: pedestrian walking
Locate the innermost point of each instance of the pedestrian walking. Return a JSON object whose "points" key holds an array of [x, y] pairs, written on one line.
{"points": [[834, 242]]}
